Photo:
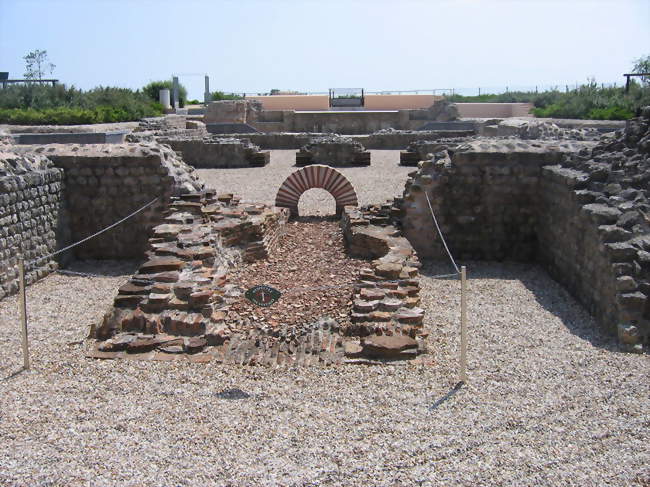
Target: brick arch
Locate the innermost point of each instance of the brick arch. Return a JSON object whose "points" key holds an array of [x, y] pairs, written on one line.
{"points": [[316, 176]]}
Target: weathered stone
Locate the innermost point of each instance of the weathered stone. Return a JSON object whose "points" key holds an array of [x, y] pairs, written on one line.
{"points": [[602, 214], [390, 304], [620, 251], [380, 316], [372, 294], [161, 264], [352, 348], [142, 345], [412, 316], [395, 346], [389, 270], [363, 306], [628, 334], [195, 344]]}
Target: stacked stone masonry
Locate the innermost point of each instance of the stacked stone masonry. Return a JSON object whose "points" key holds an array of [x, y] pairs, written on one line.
{"points": [[217, 152], [105, 183], [182, 288], [580, 209], [32, 216], [179, 302], [387, 295], [56, 194], [334, 151]]}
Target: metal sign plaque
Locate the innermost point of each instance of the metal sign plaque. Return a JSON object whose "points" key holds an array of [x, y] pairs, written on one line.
{"points": [[263, 295]]}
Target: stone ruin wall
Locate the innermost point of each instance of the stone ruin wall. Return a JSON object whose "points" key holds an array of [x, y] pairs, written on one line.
{"points": [[105, 183], [182, 288], [481, 195], [57, 194], [580, 209], [180, 302], [216, 152], [32, 216]]}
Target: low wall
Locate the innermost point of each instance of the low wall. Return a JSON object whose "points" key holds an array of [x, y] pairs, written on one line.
{"points": [[571, 245], [116, 137], [214, 152], [32, 217], [483, 197], [347, 123], [293, 102], [399, 102], [494, 110], [393, 140], [104, 185]]}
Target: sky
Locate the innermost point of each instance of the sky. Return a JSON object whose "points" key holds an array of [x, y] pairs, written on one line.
{"points": [[254, 46]]}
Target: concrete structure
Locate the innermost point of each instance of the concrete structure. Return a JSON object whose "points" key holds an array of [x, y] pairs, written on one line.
{"points": [[164, 97]]}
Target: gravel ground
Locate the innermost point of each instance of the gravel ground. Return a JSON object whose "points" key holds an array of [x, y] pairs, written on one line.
{"points": [[383, 180], [549, 401]]}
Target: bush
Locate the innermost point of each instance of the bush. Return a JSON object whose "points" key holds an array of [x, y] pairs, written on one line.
{"points": [[70, 116], [220, 95], [152, 91], [34, 104], [588, 101]]}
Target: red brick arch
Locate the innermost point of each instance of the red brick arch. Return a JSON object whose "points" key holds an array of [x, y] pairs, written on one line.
{"points": [[316, 176]]}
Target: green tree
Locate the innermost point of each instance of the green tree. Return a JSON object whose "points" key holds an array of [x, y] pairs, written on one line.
{"points": [[642, 65], [152, 90], [37, 64]]}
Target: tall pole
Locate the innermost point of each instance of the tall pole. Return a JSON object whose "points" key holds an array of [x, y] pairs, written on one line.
{"points": [[175, 100], [206, 94], [463, 324], [23, 311]]}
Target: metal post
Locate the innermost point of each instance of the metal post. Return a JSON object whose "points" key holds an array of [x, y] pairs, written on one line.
{"points": [[175, 93], [463, 324], [23, 311], [206, 94]]}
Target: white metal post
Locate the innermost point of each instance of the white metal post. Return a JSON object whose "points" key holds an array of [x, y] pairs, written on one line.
{"points": [[23, 311], [463, 324]]}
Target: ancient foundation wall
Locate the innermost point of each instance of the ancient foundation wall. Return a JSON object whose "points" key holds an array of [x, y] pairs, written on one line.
{"points": [[32, 222], [390, 140], [572, 245], [105, 184], [482, 195], [210, 152]]}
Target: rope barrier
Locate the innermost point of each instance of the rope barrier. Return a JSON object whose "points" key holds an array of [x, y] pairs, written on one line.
{"points": [[442, 239], [94, 234], [298, 290]]}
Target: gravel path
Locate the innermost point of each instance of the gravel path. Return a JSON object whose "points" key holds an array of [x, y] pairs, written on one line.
{"points": [[549, 401]]}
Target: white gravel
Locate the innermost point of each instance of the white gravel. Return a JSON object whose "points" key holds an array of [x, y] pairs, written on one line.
{"points": [[383, 180], [549, 401]]}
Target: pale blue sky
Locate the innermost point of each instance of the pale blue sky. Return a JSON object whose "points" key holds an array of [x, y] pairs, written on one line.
{"points": [[254, 46]]}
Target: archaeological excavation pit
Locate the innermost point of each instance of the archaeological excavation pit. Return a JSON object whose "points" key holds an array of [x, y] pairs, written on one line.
{"points": [[333, 291]]}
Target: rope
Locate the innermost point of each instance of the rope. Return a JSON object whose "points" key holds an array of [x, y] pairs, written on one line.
{"points": [[298, 290], [94, 234], [440, 233]]}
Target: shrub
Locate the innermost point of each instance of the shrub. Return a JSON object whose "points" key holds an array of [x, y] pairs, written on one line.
{"points": [[152, 91], [588, 101], [71, 115], [33, 104], [220, 95]]}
